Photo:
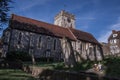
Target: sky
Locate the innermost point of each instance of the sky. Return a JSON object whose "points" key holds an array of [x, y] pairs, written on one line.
{"points": [[98, 17]]}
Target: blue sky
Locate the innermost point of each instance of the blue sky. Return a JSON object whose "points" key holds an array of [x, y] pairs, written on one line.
{"points": [[97, 17]]}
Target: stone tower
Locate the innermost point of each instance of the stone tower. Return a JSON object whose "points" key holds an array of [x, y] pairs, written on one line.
{"points": [[65, 19]]}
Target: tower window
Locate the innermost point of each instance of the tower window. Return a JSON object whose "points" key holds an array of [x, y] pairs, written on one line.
{"points": [[68, 19]]}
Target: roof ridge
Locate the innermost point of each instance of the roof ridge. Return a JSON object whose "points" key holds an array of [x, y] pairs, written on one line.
{"points": [[72, 33], [56, 30], [84, 35], [38, 21]]}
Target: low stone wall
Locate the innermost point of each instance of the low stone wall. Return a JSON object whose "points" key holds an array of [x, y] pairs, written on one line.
{"points": [[47, 74], [35, 71]]}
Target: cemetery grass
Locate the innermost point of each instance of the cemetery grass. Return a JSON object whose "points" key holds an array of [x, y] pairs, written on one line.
{"points": [[14, 74], [111, 65]]}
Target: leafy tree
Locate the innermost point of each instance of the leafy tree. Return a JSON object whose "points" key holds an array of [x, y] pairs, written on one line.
{"points": [[4, 9]]}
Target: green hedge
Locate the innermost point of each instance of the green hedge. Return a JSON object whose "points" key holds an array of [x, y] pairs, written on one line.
{"points": [[18, 55]]}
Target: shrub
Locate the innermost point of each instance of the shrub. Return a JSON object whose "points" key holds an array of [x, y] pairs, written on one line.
{"points": [[45, 59], [112, 64], [18, 55]]}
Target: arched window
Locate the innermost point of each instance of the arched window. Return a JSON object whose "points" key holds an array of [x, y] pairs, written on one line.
{"points": [[19, 38], [81, 46], [54, 44], [39, 42], [48, 43]]}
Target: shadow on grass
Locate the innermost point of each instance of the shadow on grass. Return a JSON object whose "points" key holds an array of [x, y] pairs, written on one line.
{"points": [[11, 74], [66, 75]]}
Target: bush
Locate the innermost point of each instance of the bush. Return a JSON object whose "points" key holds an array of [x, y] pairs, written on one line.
{"points": [[45, 59], [18, 55], [112, 64], [16, 64]]}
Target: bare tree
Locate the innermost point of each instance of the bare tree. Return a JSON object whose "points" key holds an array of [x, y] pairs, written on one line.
{"points": [[4, 9], [69, 57]]}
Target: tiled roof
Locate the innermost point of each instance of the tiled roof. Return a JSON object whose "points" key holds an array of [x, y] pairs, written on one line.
{"points": [[40, 27], [23, 23], [114, 32], [81, 35]]}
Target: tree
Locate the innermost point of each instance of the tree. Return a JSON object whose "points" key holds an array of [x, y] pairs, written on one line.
{"points": [[69, 58], [4, 9]]}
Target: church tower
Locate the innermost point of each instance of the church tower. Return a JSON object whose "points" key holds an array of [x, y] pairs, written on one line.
{"points": [[65, 19]]}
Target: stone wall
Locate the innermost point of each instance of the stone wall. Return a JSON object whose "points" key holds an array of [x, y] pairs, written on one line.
{"points": [[37, 44], [65, 19], [41, 45], [86, 51]]}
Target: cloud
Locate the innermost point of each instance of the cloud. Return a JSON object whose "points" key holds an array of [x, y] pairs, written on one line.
{"points": [[117, 25], [29, 4], [86, 18], [105, 34]]}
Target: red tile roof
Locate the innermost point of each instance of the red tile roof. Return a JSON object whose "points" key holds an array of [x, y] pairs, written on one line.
{"points": [[23, 23], [81, 35], [40, 27]]}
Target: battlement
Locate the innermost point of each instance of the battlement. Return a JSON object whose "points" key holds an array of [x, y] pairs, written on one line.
{"points": [[66, 14]]}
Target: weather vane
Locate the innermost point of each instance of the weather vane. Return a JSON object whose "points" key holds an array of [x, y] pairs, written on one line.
{"points": [[65, 6]]}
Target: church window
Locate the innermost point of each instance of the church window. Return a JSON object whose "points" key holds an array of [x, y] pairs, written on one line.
{"points": [[19, 38], [54, 44], [31, 40], [48, 38], [81, 46], [39, 42], [47, 53], [48, 43]]}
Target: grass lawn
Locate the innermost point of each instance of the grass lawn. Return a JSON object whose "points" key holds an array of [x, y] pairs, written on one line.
{"points": [[12, 74], [50, 65], [111, 66]]}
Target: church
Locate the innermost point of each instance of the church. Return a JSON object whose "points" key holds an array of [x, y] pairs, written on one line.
{"points": [[57, 41]]}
